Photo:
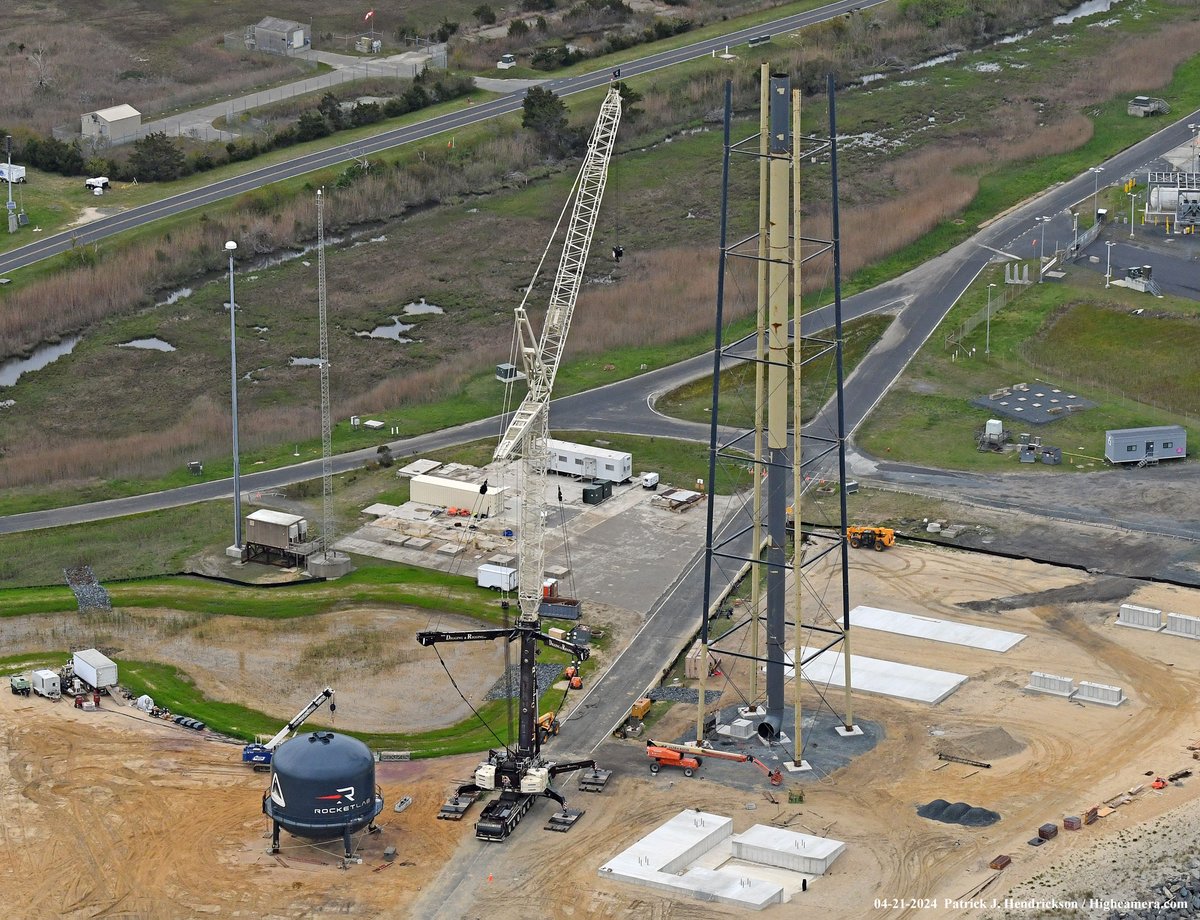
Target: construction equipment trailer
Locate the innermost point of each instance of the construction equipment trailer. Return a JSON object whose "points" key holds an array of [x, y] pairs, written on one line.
{"points": [[259, 754], [521, 773]]}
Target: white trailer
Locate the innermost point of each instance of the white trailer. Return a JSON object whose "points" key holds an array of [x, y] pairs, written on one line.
{"points": [[94, 669], [45, 683], [16, 173], [500, 577], [589, 462]]}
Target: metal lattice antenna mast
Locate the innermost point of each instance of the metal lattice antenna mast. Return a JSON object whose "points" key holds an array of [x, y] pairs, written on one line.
{"points": [[326, 445]]}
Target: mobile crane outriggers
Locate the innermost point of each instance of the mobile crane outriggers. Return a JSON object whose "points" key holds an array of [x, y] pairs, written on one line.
{"points": [[260, 754], [523, 774]]}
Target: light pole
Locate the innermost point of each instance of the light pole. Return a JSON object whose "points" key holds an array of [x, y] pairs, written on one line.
{"points": [[1041, 245], [1095, 171], [1108, 271], [1133, 197], [1194, 129], [236, 549], [12, 208], [1074, 233], [987, 341]]}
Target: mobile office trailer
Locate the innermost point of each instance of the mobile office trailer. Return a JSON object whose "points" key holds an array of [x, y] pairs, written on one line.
{"points": [[16, 173], [589, 462], [500, 577], [94, 669], [1134, 445], [45, 683]]}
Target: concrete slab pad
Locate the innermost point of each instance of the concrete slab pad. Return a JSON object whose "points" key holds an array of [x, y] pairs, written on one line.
{"points": [[874, 675], [908, 624], [380, 509], [657, 860], [419, 467]]}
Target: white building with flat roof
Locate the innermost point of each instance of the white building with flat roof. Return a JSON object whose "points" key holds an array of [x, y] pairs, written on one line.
{"points": [[111, 124]]}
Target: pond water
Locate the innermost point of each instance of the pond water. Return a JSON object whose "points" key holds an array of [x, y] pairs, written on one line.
{"points": [[418, 307], [1089, 8], [175, 296], [393, 330], [45, 354], [151, 344]]}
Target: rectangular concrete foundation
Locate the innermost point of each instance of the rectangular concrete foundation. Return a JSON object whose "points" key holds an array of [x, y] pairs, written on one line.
{"points": [[875, 675], [1051, 683], [774, 846], [907, 624], [1180, 624], [1099, 693], [657, 860], [1140, 617]]}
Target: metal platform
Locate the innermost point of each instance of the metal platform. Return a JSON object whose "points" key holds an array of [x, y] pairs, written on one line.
{"points": [[456, 806], [564, 819], [594, 780]]}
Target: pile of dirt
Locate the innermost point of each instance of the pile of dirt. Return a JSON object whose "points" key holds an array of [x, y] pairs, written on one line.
{"points": [[958, 813], [986, 745]]}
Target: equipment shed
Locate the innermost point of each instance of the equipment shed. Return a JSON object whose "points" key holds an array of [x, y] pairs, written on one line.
{"points": [[112, 124], [1145, 445], [455, 493], [280, 36]]}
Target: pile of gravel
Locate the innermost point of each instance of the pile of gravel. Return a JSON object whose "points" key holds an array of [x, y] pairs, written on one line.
{"points": [[89, 593], [958, 813], [547, 674], [683, 695], [1176, 897]]}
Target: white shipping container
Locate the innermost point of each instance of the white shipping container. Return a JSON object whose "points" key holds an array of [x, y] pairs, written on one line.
{"points": [[454, 493], [45, 683], [94, 669], [500, 577], [589, 462]]}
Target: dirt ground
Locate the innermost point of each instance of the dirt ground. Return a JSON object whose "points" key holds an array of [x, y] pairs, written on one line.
{"points": [[92, 803]]}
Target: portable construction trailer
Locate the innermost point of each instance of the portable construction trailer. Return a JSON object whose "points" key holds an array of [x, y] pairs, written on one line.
{"points": [[589, 462], [94, 669], [500, 577], [1135, 445], [45, 683], [455, 493]]}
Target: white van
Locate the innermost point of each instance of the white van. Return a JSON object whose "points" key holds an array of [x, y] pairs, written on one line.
{"points": [[506, 61]]}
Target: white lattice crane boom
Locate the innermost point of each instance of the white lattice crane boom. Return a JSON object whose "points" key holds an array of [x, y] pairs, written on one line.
{"points": [[529, 428]]}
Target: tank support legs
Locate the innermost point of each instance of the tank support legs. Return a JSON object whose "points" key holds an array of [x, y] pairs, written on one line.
{"points": [[346, 841], [274, 838]]}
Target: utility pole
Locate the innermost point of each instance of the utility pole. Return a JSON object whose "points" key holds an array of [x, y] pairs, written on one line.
{"points": [[987, 341], [1095, 171], [1108, 270], [1195, 128], [12, 208]]}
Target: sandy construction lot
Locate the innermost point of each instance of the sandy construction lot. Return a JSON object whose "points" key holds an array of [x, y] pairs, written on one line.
{"points": [[107, 815]]}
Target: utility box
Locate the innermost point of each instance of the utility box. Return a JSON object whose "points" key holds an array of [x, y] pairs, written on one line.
{"points": [[497, 577], [593, 494], [45, 683], [650, 481], [94, 669], [641, 707]]}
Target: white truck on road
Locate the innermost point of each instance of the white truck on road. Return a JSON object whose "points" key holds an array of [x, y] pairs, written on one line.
{"points": [[17, 173], [94, 669]]}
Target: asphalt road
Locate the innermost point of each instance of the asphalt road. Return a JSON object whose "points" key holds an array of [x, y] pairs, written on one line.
{"points": [[218, 191]]}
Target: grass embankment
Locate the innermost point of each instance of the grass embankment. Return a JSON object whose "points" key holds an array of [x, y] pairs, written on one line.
{"points": [[1076, 335], [818, 381]]}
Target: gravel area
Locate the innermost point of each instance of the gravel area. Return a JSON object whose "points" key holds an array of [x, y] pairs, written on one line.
{"points": [[510, 684], [683, 695]]}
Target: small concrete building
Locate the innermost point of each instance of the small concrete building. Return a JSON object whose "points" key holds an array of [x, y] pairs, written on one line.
{"points": [[280, 36], [1135, 445], [111, 124]]}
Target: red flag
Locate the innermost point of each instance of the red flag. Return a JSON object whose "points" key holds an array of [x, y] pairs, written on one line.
{"points": [[367, 18]]}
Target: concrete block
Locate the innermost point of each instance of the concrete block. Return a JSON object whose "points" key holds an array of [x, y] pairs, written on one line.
{"points": [[1180, 624], [774, 846], [417, 543], [738, 728], [449, 549], [1051, 683], [1103, 694], [1140, 617], [503, 559]]}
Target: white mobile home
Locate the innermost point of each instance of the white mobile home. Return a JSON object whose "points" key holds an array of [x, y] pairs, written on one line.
{"points": [[454, 493], [1134, 445], [589, 462]]}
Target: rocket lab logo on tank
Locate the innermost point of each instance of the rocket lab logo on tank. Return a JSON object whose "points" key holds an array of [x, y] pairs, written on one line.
{"points": [[346, 792], [277, 792]]}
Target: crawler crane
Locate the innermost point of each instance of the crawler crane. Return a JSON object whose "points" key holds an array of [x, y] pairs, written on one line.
{"points": [[522, 774]]}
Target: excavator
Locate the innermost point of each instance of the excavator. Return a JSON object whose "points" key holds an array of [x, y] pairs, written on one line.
{"points": [[877, 538], [688, 757]]}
